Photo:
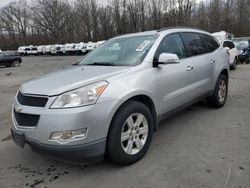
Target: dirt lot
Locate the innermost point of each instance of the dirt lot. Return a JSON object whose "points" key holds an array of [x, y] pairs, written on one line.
{"points": [[198, 147]]}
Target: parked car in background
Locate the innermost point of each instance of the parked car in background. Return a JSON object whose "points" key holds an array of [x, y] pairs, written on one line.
{"points": [[90, 46], [111, 102], [70, 48], [99, 43], [53, 49], [10, 59], [48, 50], [225, 40], [232, 52], [40, 50], [80, 48], [57, 49], [222, 35], [21, 50], [243, 45], [30, 50]]}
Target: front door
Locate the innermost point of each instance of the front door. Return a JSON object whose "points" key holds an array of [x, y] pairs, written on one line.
{"points": [[174, 81]]}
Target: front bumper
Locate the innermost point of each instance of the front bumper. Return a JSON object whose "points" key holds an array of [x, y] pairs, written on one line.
{"points": [[96, 118], [84, 154]]}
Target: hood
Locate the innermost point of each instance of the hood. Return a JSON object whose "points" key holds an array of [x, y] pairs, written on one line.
{"points": [[63, 80]]}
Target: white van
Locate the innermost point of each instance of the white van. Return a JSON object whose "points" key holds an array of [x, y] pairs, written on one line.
{"points": [[99, 43], [90, 46], [70, 48], [21, 50], [48, 50], [57, 49], [40, 49], [80, 48]]}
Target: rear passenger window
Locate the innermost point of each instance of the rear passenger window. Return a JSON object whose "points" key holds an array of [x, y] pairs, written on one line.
{"points": [[210, 43], [171, 44], [193, 44]]}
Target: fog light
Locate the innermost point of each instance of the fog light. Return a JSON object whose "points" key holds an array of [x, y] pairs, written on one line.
{"points": [[68, 136]]}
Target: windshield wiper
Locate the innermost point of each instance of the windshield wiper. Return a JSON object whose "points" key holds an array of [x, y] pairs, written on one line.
{"points": [[102, 63]]}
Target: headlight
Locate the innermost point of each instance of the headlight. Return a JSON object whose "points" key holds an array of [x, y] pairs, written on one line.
{"points": [[80, 97]]}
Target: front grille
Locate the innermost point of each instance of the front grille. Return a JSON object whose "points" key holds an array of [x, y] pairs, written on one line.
{"points": [[31, 101], [26, 120]]}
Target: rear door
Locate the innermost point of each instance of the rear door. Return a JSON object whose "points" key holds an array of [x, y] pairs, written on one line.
{"points": [[174, 81], [203, 60]]}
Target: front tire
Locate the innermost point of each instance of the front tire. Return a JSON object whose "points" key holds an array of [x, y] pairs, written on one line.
{"points": [[219, 97], [16, 63], [130, 133]]}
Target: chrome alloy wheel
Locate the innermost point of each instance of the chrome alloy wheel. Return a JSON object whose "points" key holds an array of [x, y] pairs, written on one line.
{"points": [[134, 133], [222, 91]]}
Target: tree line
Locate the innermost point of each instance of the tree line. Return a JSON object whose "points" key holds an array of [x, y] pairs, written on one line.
{"points": [[62, 21]]}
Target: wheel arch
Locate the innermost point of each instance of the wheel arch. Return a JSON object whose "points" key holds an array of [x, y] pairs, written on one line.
{"points": [[224, 72], [146, 100]]}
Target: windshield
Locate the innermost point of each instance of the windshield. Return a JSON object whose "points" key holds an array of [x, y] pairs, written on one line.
{"points": [[126, 51]]}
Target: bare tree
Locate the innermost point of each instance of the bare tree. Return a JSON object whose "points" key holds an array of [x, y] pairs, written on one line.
{"points": [[58, 21]]}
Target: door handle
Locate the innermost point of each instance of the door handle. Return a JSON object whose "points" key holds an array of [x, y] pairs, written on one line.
{"points": [[212, 61], [189, 68]]}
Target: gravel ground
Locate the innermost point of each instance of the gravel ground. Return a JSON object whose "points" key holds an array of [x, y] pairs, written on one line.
{"points": [[198, 147]]}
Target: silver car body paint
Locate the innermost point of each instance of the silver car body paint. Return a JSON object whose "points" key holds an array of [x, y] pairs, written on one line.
{"points": [[168, 86]]}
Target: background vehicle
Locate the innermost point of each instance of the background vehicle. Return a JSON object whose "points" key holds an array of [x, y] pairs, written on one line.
{"points": [[243, 44], [80, 48], [70, 48], [90, 46], [40, 50], [57, 49], [245, 56], [99, 43], [21, 50], [225, 39], [222, 35], [233, 53], [30, 50], [113, 99], [10, 59], [48, 49]]}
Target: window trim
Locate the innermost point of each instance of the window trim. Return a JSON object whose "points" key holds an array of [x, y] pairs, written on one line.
{"points": [[204, 46], [174, 33]]}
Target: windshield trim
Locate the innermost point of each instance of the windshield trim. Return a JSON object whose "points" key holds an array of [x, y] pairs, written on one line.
{"points": [[140, 58]]}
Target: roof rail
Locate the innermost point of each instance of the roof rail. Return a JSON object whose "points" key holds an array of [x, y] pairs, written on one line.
{"points": [[178, 27]]}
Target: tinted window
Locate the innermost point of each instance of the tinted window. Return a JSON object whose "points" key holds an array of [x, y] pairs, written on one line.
{"points": [[193, 44], [228, 44], [171, 44], [209, 42]]}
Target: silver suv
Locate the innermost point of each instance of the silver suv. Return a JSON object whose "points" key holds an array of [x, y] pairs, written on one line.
{"points": [[113, 99]]}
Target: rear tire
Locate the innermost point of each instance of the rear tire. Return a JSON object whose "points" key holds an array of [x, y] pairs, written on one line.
{"points": [[130, 133], [219, 97], [233, 67]]}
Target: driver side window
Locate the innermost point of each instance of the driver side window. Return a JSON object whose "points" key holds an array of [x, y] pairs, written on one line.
{"points": [[171, 44]]}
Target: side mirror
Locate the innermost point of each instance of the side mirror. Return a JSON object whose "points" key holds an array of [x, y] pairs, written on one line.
{"points": [[167, 58], [227, 48]]}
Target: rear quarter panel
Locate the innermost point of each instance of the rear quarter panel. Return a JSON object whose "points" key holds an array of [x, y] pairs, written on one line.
{"points": [[221, 63]]}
